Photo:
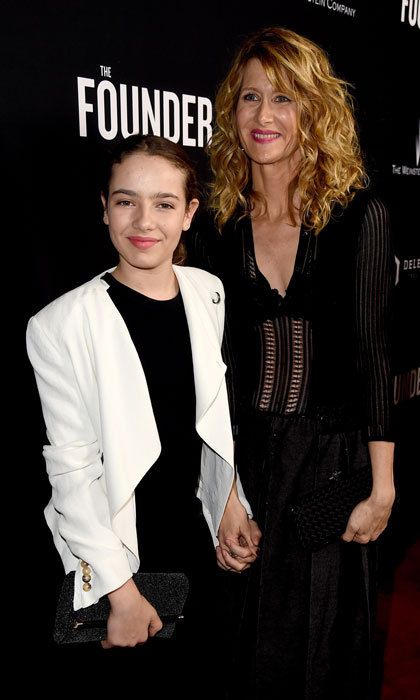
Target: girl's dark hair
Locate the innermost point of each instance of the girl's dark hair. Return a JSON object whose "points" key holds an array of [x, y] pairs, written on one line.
{"points": [[155, 146]]}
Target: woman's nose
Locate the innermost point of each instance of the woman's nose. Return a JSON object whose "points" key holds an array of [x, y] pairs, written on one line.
{"points": [[265, 112]]}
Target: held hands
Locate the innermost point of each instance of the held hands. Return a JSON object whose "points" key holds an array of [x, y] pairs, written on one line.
{"points": [[132, 619], [238, 536]]}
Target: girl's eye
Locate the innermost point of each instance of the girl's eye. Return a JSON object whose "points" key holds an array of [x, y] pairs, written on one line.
{"points": [[124, 203], [165, 205]]}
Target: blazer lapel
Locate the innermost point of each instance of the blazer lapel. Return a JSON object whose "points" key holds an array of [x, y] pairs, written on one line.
{"points": [[129, 434], [209, 368]]}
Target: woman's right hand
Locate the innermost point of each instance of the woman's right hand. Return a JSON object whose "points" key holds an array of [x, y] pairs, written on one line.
{"points": [[238, 536], [132, 619]]}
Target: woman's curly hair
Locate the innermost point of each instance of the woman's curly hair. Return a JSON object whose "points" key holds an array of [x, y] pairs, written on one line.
{"points": [[331, 167]]}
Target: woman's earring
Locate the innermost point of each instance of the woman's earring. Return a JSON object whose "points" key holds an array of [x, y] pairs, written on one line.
{"points": [[215, 298]]}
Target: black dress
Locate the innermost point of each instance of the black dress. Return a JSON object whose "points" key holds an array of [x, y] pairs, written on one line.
{"points": [[309, 386], [172, 532]]}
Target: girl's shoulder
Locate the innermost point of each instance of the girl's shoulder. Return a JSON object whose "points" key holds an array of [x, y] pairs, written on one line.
{"points": [[56, 315]]}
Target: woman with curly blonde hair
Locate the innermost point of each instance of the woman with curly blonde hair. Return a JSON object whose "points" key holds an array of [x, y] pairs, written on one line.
{"points": [[306, 260], [327, 149]]}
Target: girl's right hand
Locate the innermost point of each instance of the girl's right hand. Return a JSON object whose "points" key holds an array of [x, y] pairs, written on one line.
{"points": [[132, 619]]}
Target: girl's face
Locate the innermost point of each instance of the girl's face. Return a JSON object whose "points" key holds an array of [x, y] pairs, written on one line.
{"points": [[146, 210], [266, 119]]}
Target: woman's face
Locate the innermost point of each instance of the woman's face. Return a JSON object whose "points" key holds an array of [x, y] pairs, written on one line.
{"points": [[146, 210], [266, 119]]}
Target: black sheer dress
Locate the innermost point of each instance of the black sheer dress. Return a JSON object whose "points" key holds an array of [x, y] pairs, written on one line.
{"points": [[310, 384]]}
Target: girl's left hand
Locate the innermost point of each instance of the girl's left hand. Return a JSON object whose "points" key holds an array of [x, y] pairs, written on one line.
{"points": [[239, 537]]}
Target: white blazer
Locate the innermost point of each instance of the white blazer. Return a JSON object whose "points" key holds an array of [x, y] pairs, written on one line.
{"points": [[101, 428]]}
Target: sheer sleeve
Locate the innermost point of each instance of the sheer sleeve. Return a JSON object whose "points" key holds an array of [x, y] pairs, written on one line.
{"points": [[374, 284]]}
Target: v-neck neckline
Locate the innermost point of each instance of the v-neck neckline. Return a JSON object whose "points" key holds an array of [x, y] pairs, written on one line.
{"points": [[297, 267]]}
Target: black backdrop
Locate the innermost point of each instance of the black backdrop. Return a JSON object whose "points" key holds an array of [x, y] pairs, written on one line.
{"points": [[56, 239]]}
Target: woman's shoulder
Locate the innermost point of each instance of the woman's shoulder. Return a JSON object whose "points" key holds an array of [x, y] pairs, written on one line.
{"points": [[202, 242], [210, 248], [369, 215], [370, 201], [204, 223], [366, 201], [367, 208]]}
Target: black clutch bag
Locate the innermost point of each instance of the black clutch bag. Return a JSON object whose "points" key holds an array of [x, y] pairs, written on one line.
{"points": [[167, 592], [321, 515]]}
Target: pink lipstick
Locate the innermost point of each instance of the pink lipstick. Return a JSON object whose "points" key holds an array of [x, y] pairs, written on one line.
{"points": [[142, 243], [264, 135]]}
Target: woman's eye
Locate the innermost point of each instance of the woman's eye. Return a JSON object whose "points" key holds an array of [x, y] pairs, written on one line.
{"points": [[282, 98], [250, 97], [124, 203], [165, 205]]}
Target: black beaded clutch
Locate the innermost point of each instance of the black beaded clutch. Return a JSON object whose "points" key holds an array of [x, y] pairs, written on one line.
{"points": [[321, 515], [167, 592]]}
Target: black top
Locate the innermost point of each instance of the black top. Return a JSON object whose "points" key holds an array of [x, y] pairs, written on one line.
{"points": [[166, 496], [324, 345]]}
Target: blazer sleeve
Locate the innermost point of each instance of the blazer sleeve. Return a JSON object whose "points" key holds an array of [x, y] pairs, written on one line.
{"points": [[222, 340], [78, 513]]}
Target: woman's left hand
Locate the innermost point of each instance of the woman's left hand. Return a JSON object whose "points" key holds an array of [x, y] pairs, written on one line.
{"points": [[239, 537], [369, 518]]}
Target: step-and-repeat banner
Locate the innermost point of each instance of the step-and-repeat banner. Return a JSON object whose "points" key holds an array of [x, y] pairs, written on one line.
{"points": [[79, 74]]}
